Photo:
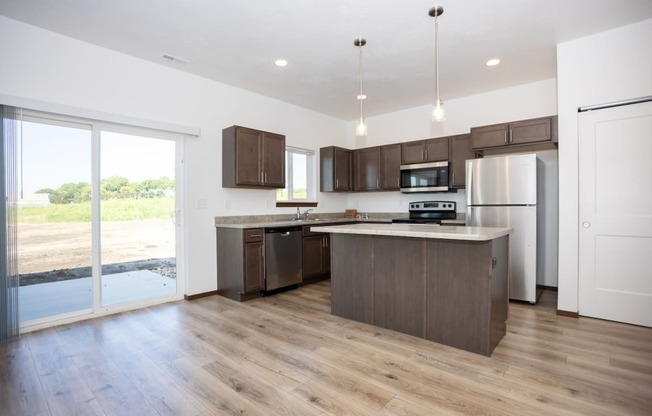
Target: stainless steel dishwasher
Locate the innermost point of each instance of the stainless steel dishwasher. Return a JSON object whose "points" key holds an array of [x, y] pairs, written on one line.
{"points": [[283, 251]]}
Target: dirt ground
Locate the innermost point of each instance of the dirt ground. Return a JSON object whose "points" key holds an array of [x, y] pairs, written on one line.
{"points": [[47, 247]]}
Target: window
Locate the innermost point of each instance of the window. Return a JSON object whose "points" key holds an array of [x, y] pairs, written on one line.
{"points": [[300, 176]]}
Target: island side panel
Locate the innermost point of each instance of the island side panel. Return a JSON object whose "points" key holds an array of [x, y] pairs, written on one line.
{"points": [[352, 277], [499, 290], [458, 293], [230, 262], [399, 284]]}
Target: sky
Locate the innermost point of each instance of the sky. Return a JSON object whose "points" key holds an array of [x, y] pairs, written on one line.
{"points": [[54, 155]]}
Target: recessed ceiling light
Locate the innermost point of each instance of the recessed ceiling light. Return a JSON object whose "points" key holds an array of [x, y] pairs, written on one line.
{"points": [[493, 62], [362, 97], [281, 62]]}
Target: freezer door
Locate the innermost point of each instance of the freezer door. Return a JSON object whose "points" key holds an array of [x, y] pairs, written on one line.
{"points": [[523, 270], [504, 180]]}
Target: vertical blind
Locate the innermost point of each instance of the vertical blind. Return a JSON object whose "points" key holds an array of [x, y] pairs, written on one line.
{"points": [[9, 323]]}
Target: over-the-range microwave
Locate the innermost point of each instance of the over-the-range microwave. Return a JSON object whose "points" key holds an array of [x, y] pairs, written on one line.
{"points": [[425, 177]]}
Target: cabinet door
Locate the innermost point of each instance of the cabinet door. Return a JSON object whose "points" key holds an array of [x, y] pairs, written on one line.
{"points": [[489, 136], [461, 150], [253, 267], [248, 157], [436, 149], [366, 171], [530, 131], [342, 169], [313, 255], [412, 152], [390, 167], [273, 160]]}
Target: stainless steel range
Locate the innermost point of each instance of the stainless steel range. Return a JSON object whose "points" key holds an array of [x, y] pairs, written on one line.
{"points": [[429, 212]]}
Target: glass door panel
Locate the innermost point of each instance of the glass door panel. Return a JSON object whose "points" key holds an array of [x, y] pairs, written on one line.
{"points": [[137, 211], [54, 221]]}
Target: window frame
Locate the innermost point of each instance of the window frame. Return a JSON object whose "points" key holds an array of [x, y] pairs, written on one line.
{"points": [[311, 182]]}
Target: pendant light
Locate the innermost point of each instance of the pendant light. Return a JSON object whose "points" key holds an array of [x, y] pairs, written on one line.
{"points": [[438, 113], [361, 127]]}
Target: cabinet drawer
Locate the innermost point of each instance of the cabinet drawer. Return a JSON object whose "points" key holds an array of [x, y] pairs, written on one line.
{"points": [[253, 235]]}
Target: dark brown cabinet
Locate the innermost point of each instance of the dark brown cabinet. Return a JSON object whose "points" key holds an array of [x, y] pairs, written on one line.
{"points": [[252, 158], [335, 165], [461, 150], [316, 255], [366, 169], [390, 167], [515, 133], [431, 150], [240, 262], [377, 168], [254, 268]]}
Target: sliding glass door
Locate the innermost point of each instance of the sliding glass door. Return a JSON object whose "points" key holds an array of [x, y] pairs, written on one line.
{"points": [[97, 218], [54, 220], [137, 207]]}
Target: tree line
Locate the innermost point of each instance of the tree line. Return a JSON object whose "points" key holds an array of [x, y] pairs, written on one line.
{"points": [[113, 187]]}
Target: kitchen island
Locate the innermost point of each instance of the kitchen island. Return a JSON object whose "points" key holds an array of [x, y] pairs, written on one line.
{"points": [[442, 283]]}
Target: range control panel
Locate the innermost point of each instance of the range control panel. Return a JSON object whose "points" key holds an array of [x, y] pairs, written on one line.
{"points": [[432, 206]]}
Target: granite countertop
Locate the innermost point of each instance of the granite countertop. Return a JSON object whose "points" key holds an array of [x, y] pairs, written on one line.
{"points": [[271, 221], [291, 223], [444, 232]]}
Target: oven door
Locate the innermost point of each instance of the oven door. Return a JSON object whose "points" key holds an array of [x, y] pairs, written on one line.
{"points": [[425, 177]]}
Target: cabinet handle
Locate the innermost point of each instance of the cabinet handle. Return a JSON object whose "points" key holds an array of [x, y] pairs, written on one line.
{"points": [[255, 235], [510, 135], [262, 178], [426, 155], [423, 155], [453, 178], [326, 242], [505, 134], [337, 183]]}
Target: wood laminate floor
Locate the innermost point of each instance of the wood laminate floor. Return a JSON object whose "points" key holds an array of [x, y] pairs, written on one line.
{"points": [[286, 355]]}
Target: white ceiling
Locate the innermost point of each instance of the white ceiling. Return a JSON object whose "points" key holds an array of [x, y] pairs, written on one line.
{"points": [[237, 41]]}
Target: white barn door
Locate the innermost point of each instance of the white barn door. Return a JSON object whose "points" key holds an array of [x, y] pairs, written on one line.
{"points": [[615, 214]]}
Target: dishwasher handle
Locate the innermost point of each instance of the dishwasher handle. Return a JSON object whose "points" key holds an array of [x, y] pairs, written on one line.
{"points": [[284, 231]]}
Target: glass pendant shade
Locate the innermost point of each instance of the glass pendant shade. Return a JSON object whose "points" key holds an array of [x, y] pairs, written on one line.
{"points": [[438, 112], [361, 128]]}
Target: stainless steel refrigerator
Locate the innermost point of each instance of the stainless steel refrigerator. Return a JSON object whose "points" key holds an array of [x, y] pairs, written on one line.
{"points": [[507, 191]]}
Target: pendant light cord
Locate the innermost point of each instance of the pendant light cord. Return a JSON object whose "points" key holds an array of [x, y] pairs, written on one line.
{"points": [[437, 55], [360, 75]]}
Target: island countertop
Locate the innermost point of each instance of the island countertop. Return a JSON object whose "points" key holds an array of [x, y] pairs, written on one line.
{"points": [[418, 231]]}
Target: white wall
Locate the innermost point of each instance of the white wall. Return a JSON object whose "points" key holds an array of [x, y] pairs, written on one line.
{"points": [[46, 67], [610, 66], [532, 100]]}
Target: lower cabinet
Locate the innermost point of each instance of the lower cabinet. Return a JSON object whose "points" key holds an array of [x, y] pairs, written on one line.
{"points": [[316, 255], [240, 262], [254, 260]]}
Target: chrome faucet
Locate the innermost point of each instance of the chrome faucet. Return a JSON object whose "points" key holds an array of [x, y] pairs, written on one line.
{"points": [[302, 216]]}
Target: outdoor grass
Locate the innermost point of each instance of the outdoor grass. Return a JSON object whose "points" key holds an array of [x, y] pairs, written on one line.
{"points": [[111, 210]]}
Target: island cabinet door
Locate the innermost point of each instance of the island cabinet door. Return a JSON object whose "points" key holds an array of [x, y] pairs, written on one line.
{"points": [[351, 277], [399, 288], [458, 287]]}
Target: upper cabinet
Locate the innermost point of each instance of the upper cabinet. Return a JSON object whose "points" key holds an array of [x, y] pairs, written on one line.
{"points": [[366, 169], [252, 158], [460, 151], [390, 167], [516, 133], [377, 168], [335, 165], [421, 151]]}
